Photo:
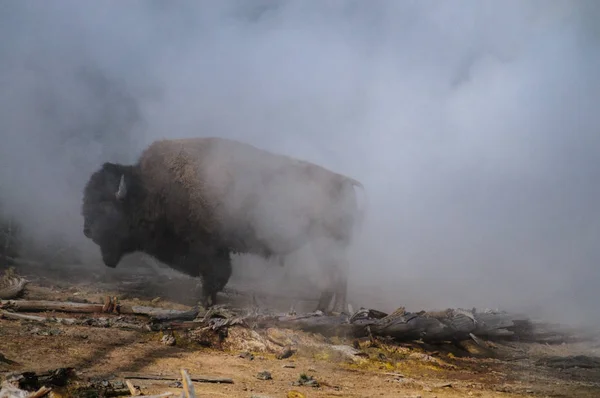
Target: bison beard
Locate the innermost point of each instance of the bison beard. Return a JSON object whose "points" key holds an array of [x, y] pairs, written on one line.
{"points": [[190, 203]]}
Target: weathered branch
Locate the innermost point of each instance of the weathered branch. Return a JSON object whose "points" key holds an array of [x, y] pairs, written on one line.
{"points": [[197, 379], [87, 308]]}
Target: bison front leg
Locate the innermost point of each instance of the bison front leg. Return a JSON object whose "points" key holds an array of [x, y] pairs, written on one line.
{"points": [[334, 264], [340, 303], [337, 292], [215, 276]]}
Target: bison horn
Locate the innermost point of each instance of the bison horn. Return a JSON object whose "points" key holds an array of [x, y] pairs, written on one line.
{"points": [[122, 192]]}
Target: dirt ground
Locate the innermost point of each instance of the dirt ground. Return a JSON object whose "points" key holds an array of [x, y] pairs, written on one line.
{"points": [[379, 370]]}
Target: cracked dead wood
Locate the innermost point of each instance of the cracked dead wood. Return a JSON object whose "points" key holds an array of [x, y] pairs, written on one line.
{"points": [[66, 306], [448, 325], [197, 379]]}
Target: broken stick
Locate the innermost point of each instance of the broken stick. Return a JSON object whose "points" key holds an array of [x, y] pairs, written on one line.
{"points": [[43, 391], [188, 387], [133, 389]]}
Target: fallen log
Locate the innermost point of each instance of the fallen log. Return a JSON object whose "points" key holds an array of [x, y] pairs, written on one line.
{"points": [[449, 325], [96, 322], [197, 379], [87, 308]]}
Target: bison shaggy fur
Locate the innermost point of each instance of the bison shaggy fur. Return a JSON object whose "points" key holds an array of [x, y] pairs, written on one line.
{"points": [[193, 202]]}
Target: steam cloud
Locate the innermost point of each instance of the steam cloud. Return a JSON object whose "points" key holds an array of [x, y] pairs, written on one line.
{"points": [[473, 125]]}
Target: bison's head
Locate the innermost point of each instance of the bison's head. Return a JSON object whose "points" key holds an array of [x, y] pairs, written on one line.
{"points": [[106, 212]]}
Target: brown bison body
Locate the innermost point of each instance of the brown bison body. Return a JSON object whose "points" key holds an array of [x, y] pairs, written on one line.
{"points": [[192, 202]]}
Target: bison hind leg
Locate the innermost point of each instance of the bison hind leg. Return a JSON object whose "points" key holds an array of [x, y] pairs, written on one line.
{"points": [[324, 301], [333, 260], [215, 276], [338, 294]]}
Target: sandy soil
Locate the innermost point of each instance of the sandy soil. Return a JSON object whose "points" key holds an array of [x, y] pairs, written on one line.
{"points": [[381, 370]]}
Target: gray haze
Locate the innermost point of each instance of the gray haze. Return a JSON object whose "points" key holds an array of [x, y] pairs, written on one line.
{"points": [[474, 126]]}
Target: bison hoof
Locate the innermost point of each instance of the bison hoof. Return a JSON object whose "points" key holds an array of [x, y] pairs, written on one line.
{"points": [[208, 302]]}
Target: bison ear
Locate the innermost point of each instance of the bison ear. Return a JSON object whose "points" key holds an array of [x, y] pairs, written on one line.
{"points": [[122, 191]]}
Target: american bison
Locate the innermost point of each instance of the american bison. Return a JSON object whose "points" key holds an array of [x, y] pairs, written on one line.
{"points": [[190, 203]]}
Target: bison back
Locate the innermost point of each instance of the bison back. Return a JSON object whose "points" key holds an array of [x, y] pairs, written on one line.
{"points": [[251, 199]]}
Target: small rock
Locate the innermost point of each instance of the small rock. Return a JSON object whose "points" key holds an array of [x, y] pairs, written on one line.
{"points": [[305, 380], [246, 355], [288, 352], [49, 332], [264, 375], [427, 388], [289, 366]]}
